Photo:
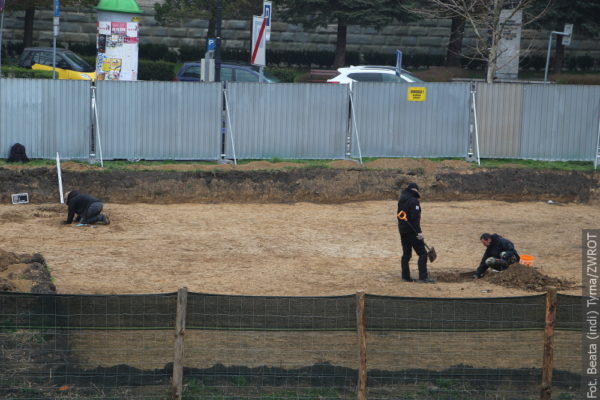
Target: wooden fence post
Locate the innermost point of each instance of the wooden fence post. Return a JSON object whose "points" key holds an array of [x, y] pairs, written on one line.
{"points": [[177, 387], [548, 366], [361, 326]]}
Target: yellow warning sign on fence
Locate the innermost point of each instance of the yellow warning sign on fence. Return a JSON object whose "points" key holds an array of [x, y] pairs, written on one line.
{"points": [[416, 94]]}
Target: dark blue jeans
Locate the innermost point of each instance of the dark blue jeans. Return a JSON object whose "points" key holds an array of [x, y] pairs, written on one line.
{"points": [[92, 214]]}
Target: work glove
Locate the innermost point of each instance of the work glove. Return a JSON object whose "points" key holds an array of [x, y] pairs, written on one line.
{"points": [[420, 236]]}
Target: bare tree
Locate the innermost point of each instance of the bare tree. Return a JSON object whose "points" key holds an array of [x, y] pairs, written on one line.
{"points": [[486, 21]]}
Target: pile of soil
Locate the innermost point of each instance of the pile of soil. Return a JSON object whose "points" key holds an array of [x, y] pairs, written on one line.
{"points": [[516, 276], [24, 273]]}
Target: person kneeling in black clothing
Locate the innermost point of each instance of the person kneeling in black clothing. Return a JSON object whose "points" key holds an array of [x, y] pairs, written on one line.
{"points": [[87, 208], [499, 254]]}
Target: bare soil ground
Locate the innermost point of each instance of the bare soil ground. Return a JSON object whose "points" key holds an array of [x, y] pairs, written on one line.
{"points": [[264, 229]]}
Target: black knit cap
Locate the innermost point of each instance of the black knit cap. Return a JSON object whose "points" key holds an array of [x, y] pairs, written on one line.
{"points": [[412, 185]]}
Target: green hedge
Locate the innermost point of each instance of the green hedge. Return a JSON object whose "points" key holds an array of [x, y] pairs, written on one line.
{"points": [[190, 53], [11, 71], [156, 70], [157, 52]]}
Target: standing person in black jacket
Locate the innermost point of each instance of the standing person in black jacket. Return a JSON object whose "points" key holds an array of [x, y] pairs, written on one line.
{"points": [[499, 254], [411, 236], [87, 208]]}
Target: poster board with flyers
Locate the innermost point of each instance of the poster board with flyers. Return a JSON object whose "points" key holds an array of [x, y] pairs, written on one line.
{"points": [[117, 47]]}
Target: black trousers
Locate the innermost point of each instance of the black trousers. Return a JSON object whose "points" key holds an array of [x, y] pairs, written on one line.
{"points": [[409, 242]]}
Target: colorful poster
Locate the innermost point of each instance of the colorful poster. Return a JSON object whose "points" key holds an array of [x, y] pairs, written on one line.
{"points": [[101, 44], [104, 27], [132, 29], [100, 59], [111, 68], [119, 28], [115, 41]]}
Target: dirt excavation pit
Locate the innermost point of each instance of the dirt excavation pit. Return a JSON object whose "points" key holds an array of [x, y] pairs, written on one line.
{"points": [[518, 276], [259, 230]]}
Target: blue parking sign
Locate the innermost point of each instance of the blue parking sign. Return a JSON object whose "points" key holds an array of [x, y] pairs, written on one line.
{"points": [[267, 12], [212, 44]]}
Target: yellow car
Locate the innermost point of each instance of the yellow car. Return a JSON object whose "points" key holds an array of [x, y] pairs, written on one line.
{"points": [[68, 65]]}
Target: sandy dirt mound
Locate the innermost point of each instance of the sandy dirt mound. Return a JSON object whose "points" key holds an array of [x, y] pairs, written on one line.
{"points": [[517, 276], [24, 273]]}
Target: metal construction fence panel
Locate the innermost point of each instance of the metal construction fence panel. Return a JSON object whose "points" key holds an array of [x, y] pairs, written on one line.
{"points": [[46, 116], [560, 122], [390, 124], [185, 121], [499, 119], [294, 121], [159, 120], [122, 346]]}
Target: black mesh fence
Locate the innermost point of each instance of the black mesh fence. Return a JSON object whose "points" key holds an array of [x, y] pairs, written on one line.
{"points": [[252, 347], [568, 349]]}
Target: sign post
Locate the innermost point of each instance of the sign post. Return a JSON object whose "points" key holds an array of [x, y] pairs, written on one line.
{"points": [[567, 34], [207, 64], [1, 29], [398, 63], [55, 30], [258, 54], [569, 31]]}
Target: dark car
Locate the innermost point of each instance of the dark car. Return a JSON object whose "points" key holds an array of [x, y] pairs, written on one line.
{"points": [[68, 64], [190, 72]]}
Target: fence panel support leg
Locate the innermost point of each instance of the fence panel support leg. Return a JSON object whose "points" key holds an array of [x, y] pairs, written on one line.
{"points": [[179, 339], [546, 391], [361, 326]]}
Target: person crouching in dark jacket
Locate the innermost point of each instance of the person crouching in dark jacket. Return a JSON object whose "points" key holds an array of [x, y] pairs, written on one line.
{"points": [[87, 208], [411, 236], [499, 254]]}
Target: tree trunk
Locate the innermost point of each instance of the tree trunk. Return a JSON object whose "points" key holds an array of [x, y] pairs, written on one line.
{"points": [[491, 62], [340, 46], [454, 51], [559, 55], [28, 27]]}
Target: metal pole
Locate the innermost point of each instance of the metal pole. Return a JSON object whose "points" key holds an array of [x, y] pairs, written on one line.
{"points": [[95, 107], [597, 144], [218, 17], [60, 185], [54, 57], [229, 125], [355, 127], [548, 58], [1, 29], [55, 30], [476, 129]]}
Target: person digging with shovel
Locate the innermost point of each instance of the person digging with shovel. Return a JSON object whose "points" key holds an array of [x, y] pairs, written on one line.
{"points": [[411, 236]]}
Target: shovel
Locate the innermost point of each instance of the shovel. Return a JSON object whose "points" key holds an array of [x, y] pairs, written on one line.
{"points": [[431, 254]]}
